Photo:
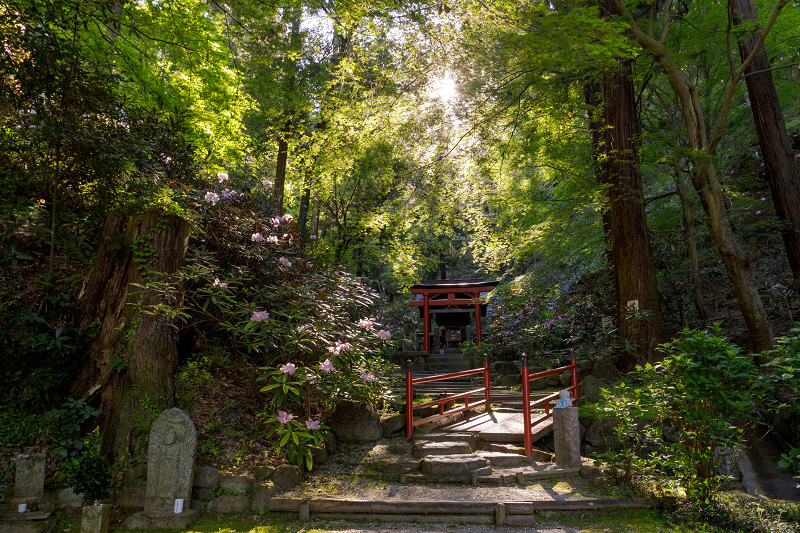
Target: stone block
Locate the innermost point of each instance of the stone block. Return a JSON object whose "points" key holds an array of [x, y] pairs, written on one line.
{"points": [[94, 518], [452, 465], [29, 478], [590, 388], [330, 443], [68, 498], [392, 424], [133, 496], [170, 466], [235, 485], [203, 494], [509, 381], [287, 476], [319, 455], [566, 437], [424, 448], [603, 370], [396, 465], [206, 476], [261, 495], [229, 504], [500, 459], [262, 473], [162, 520], [355, 422]]}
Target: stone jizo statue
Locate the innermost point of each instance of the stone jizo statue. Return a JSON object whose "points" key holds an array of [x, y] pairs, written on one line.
{"points": [[564, 400]]}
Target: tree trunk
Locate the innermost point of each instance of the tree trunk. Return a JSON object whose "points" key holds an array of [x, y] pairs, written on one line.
{"points": [[773, 139], [705, 179], [305, 200], [280, 168], [592, 93], [634, 267], [691, 244], [134, 356]]}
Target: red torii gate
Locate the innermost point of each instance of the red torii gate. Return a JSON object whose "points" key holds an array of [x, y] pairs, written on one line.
{"points": [[458, 298]]}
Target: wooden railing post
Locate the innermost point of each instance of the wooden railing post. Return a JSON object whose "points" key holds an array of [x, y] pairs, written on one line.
{"points": [[526, 407], [486, 378], [574, 382], [409, 402]]}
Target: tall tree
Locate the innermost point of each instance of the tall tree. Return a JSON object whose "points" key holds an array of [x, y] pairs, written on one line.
{"points": [[634, 268], [773, 139], [704, 173]]}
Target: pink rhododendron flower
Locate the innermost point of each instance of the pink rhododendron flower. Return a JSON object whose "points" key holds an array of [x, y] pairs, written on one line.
{"points": [[272, 239], [285, 262], [326, 366], [369, 377], [312, 424], [339, 348], [309, 264], [277, 221], [211, 197], [266, 183], [384, 335], [248, 159], [312, 237], [284, 417], [302, 329], [222, 176], [287, 217], [288, 368], [257, 237], [366, 323], [218, 283], [259, 316]]}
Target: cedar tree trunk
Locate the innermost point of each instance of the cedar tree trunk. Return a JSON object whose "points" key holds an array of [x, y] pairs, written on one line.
{"points": [[776, 147], [133, 358], [634, 268]]}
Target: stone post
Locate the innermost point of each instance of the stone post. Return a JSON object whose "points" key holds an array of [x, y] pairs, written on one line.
{"points": [[566, 436], [94, 518], [29, 479]]}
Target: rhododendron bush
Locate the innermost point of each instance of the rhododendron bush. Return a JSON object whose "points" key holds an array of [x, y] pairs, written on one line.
{"points": [[304, 331]]}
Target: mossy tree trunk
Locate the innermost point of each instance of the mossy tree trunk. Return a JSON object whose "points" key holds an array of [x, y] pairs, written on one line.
{"points": [[132, 361]]}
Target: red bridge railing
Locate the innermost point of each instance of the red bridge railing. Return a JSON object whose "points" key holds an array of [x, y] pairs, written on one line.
{"points": [[410, 407], [527, 404]]}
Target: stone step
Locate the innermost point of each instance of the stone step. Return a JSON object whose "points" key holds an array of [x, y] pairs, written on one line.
{"points": [[425, 449], [504, 448], [469, 438], [502, 459], [453, 465]]}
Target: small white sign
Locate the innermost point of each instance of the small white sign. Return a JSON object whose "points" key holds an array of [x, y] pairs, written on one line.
{"points": [[606, 322], [21, 508], [179, 506], [633, 304]]}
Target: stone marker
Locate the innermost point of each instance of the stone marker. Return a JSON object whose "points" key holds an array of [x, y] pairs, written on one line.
{"points": [[170, 472], [29, 480], [355, 421], [566, 437]]}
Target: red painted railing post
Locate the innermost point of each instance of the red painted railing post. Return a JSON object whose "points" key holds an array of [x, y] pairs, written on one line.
{"points": [[486, 378], [526, 407], [574, 382], [409, 402]]}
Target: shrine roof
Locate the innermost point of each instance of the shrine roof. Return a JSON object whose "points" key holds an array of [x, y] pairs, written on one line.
{"points": [[445, 284]]}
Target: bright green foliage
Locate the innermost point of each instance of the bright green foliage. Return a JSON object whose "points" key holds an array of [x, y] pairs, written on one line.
{"points": [[629, 409], [704, 390], [90, 473]]}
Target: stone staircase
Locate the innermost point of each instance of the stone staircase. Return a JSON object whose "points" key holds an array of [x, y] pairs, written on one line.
{"points": [[484, 449]]}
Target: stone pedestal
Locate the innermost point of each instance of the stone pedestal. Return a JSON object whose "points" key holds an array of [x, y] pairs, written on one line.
{"points": [[567, 437], [94, 518]]}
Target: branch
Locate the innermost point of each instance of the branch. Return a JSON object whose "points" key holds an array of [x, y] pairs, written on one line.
{"points": [[659, 197]]}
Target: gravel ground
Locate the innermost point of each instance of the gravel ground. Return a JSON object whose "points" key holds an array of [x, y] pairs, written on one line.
{"points": [[347, 475]]}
